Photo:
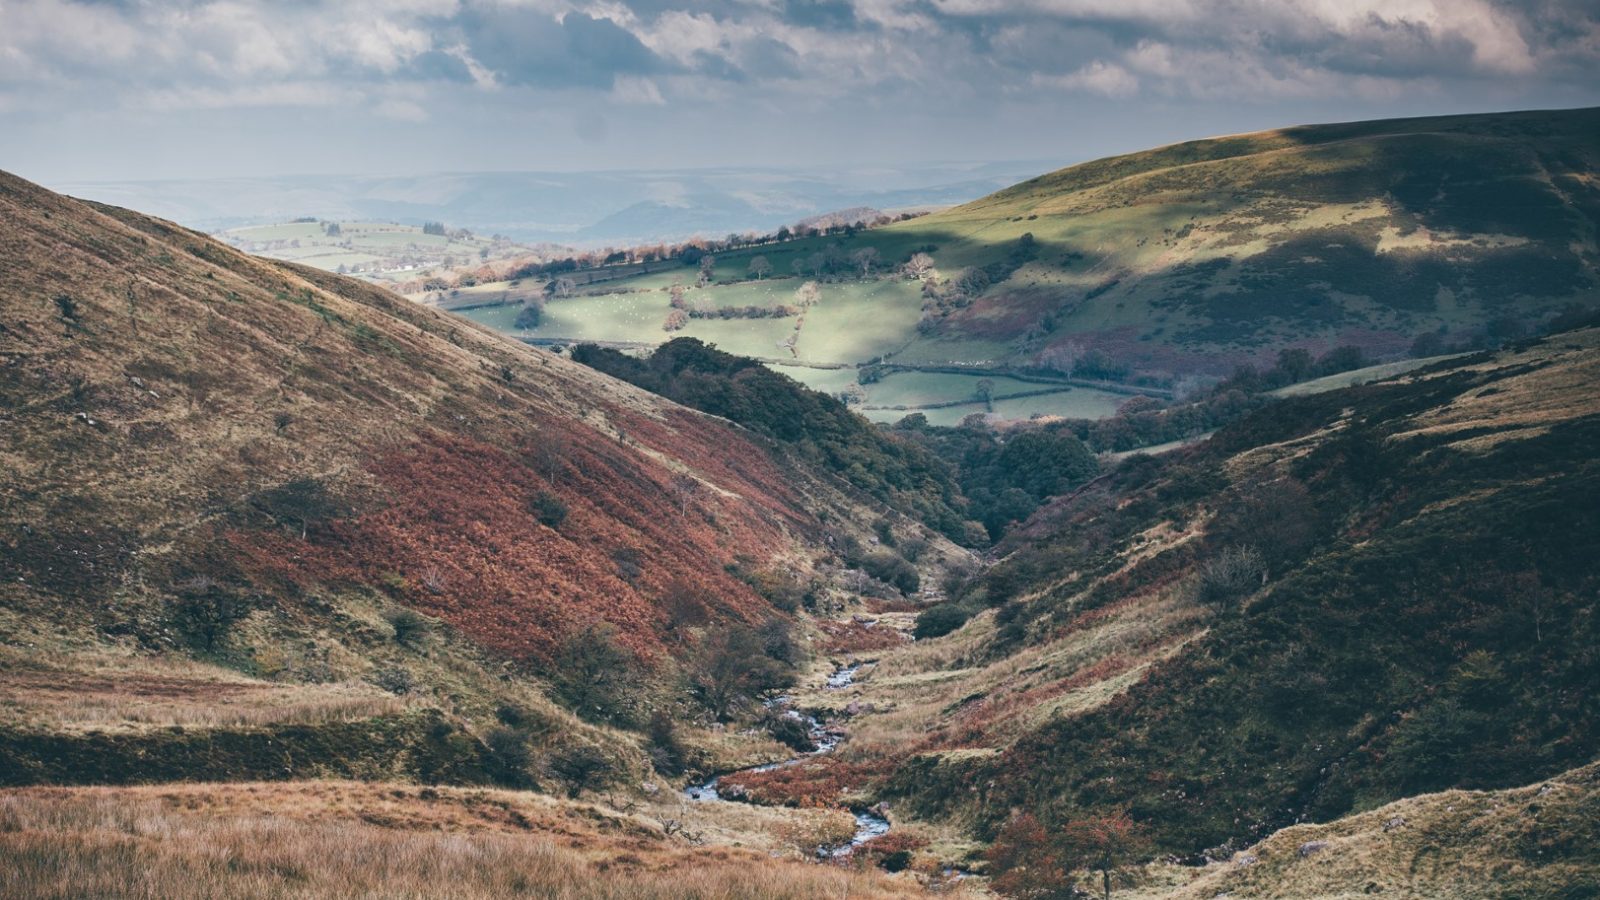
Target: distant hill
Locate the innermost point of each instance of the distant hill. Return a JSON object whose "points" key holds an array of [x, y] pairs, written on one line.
{"points": [[1199, 255], [1182, 261], [588, 209]]}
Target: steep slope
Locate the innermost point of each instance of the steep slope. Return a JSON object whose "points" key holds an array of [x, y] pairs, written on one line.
{"points": [[264, 467], [1340, 600]]}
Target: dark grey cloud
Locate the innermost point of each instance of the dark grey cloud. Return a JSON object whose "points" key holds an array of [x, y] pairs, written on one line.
{"points": [[529, 47]]}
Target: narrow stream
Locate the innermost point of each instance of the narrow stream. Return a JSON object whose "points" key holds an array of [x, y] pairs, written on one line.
{"points": [[868, 824]]}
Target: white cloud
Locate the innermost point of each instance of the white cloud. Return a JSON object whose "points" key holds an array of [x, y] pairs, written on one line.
{"points": [[1098, 77]]}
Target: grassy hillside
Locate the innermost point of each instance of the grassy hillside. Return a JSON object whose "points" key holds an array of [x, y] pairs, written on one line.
{"points": [[1536, 841], [1339, 600], [1185, 260], [263, 521]]}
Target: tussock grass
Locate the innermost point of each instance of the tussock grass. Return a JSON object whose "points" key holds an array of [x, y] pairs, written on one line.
{"points": [[340, 840], [1531, 842]]}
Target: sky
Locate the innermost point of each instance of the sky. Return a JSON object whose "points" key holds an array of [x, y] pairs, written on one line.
{"points": [[151, 89]]}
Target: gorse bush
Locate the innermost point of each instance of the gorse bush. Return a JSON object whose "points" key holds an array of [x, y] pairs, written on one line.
{"points": [[411, 629], [549, 509], [938, 621]]}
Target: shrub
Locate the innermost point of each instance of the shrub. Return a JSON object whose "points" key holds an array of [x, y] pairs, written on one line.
{"points": [[530, 316], [892, 569], [938, 621], [395, 679], [205, 611], [790, 732], [581, 767], [1231, 575], [549, 509], [1024, 861], [666, 751], [411, 628], [509, 755]]}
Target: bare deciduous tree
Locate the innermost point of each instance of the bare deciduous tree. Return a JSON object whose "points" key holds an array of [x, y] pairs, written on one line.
{"points": [[866, 259]]}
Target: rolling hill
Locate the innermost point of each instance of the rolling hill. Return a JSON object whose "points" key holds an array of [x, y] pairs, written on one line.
{"points": [[1187, 260], [262, 521]]}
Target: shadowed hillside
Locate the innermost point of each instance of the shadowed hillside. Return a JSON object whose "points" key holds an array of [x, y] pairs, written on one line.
{"points": [[1342, 599]]}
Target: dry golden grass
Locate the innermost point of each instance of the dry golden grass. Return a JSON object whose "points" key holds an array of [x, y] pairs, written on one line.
{"points": [[337, 839], [107, 694], [1556, 386], [1532, 842], [937, 682]]}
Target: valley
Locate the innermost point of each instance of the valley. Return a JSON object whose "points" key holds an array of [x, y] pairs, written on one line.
{"points": [[1219, 520]]}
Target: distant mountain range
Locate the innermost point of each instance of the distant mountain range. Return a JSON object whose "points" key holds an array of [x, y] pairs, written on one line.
{"points": [[577, 208]]}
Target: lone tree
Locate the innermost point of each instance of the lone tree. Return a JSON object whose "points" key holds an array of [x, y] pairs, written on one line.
{"points": [[531, 315], [684, 487], [732, 669], [919, 264], [866, 259], [205, 611], [1026, 860], [807, 295], [759, 267], [595, 674], [562, 287], [1106, 843]]}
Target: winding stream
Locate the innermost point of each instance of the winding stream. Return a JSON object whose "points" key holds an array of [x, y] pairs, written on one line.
{"points": [[868, 824]]}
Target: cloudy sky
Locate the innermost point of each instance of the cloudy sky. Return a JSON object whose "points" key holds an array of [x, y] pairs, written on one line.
{"points": [[125, 89]]}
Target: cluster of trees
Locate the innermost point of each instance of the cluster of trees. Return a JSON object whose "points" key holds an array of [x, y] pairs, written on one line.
{"points": [[695, 251], [835, 263], [940, 298], [1006, 478], [1144, 421], [814, 426], [723, 673]]}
